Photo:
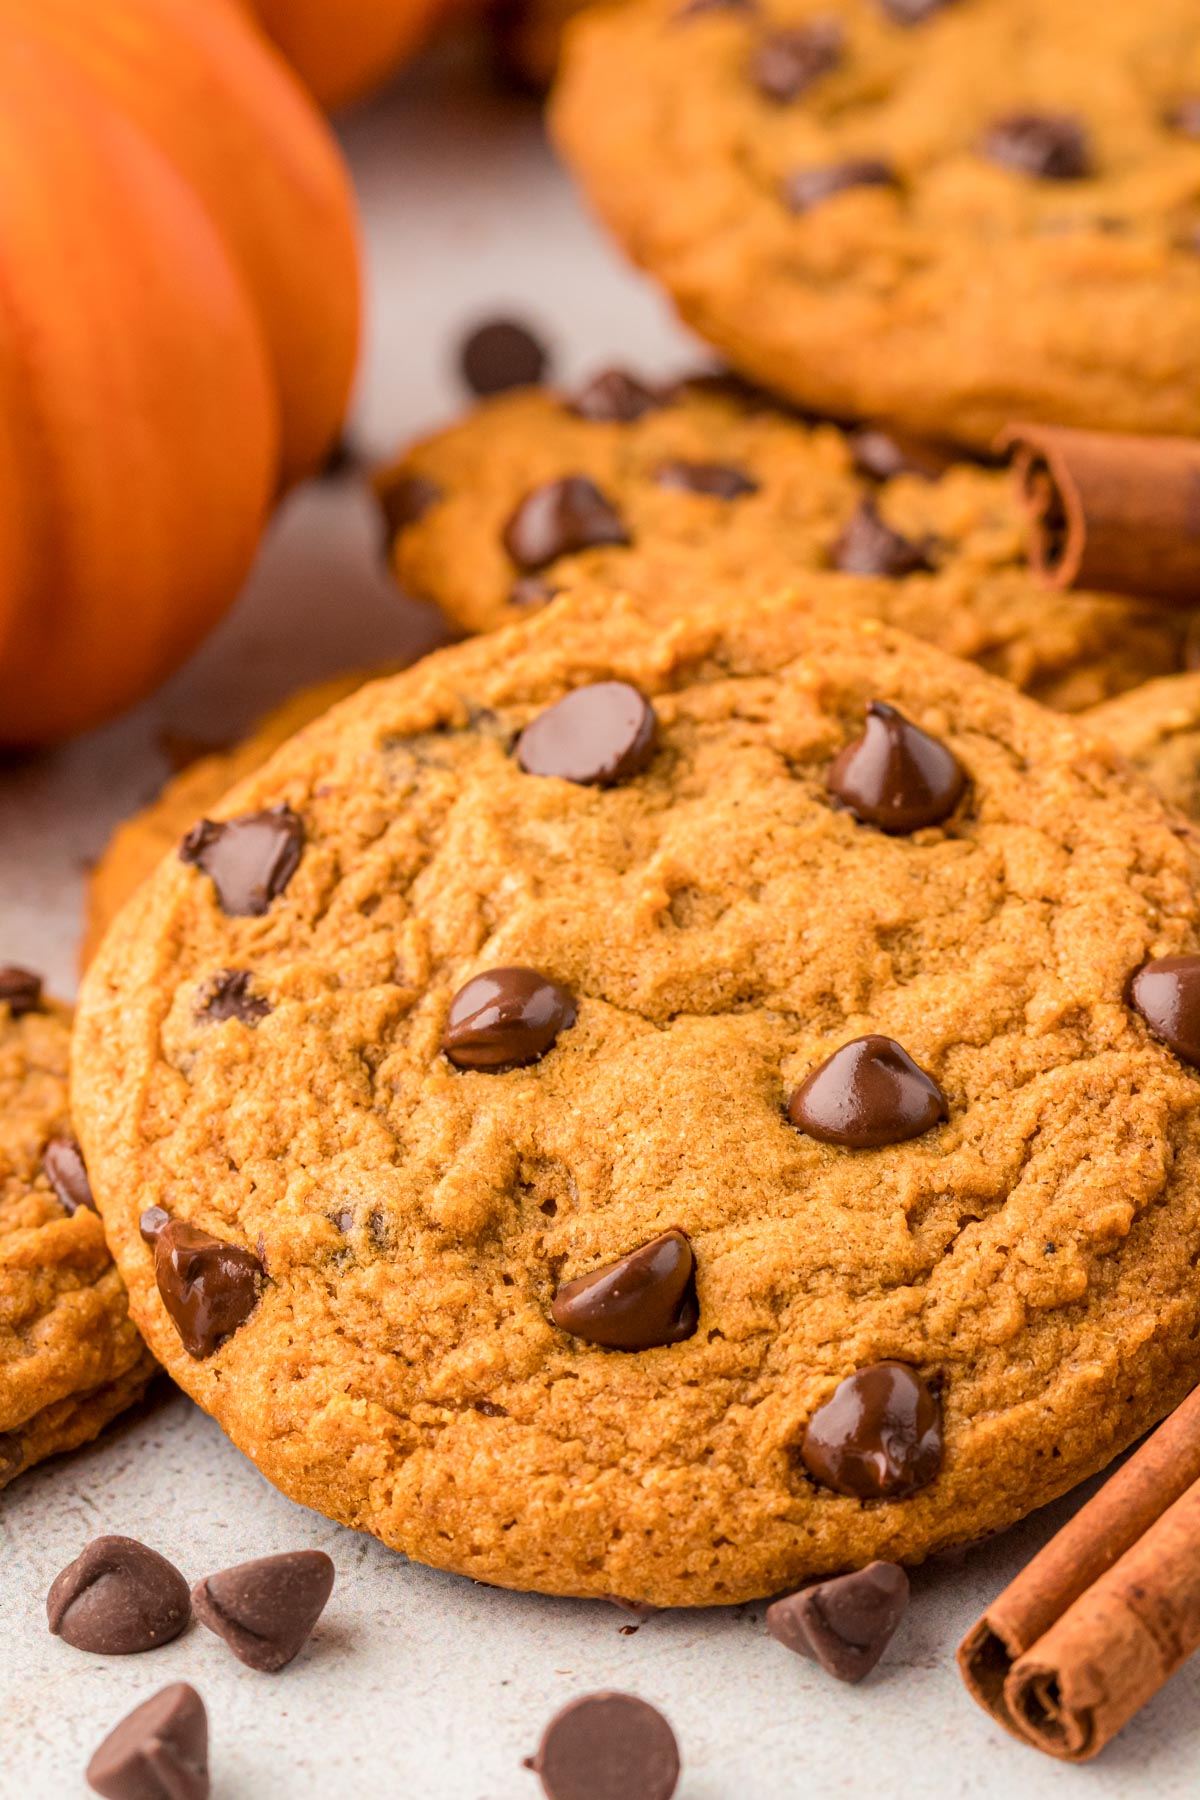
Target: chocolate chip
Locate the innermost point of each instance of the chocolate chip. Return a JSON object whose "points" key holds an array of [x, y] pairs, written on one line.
{"points": [[896, 776], [506, 1019], [1166, 992], [869, 546], [20, 990], [62, 1159], [226, 995], [406, 500], [151, 1223], [867, 1094], [158, 1752], [117, 1598], [806, 188], [608, 1747], [882, 455], [502, 354], [844, 1624], [209, 1287], [719, 481], [912, 12], [1184, 116], [695, 9], [614, 398], [879, 1437], [644, 1300], [266, 1610], [560, 518], [597, 736], [250, 859], [530, 592], [787, 62], [1050, 146]]}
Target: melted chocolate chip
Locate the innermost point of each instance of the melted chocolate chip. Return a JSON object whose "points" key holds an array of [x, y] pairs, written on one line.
{"points": [[788, 62], [250, 860], [844, 1624], [158, 1752], [1184, 116], [20, 990], [506, 1019], [869, 546], [868, 1094], [644, 1300], [530, 592], [896, 776], [226, 995], [559, 519], [1048, 146], [806, 188], [406, 500], [597, 736], [879, 1437], [614, 398], [912, 12], [608, 1747], [719, 481], [151, 1223], [1166, 992], [882, 455], [209, 1287], [62, 1159], [266, 1610], [118, 1598], [500, 355]]}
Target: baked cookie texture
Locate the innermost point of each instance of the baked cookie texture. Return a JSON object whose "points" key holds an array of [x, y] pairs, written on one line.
{"points": [[946, 538], [951, 215], [70, 1357], [1158, 728], [397, 1232]]}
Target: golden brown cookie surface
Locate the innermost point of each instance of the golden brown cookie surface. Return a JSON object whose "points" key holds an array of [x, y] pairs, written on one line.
{"points": [[1158, 728]]}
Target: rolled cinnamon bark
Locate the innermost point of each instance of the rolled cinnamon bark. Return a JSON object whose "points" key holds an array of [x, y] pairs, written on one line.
{"points": [[1109, 511]]}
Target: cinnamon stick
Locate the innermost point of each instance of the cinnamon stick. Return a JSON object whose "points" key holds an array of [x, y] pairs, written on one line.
{"points": [[1107, 1612], [1111, 511]]}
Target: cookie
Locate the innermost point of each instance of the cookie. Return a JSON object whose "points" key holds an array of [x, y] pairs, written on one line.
{"points": [[948, 213], [70, 1359], [709, 493], [660, 1111], [1158, 728]]}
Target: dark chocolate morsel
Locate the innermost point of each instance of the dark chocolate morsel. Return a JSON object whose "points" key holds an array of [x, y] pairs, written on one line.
{"points": [[869, 546], [608, 1747], [1048, 146], [881, 454], [226, 995], [560, 518], [158, 1752], [614, 398], [895, 776], [846, 1623], [788, 62], [117, 1598], [151, 1223], [406, 500], [266, 1610], [1184, 116], [879, 1437], [502, 354], [209, 1287], [20, 990], [250, 860], [806, 188], [718, 481], [643, 1301], [530, 592], [912, 12], [506, 1019], [62, 1159], [868, 1094], [1166, 992], [598, 736]]}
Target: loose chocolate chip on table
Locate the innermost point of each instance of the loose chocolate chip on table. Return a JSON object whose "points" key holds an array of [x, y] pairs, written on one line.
{"points": [[226, 995], [641, 1302], [266, 1610], [912, 12], [62, 1159], [596, 736], [608, 1747], [406, 501], [879, 1437], [20, 990], [844, 1624], [1184, 116], [895, 776], [209, 1287], [531, 591], [806, 188], [117, 1598], [719, 481], [869, 546], [614, 398], [1166, 992], [560, 518], [502, 354], [786, 63], [158, 1752], [250, 859], [882, 455], [1049, 146], [867, 1094], [506, 1019]]}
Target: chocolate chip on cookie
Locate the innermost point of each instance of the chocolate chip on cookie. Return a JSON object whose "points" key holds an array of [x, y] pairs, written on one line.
{"points": [[1184, 116], [560, 518], [1049, 146], [250, 860], [226, 995], [895, 776], [265, 1610], [614, 397], [209, 1287], [1166, 992], [719, 481], [844, 1624], [598, 736], [530, 592], [868, 1094], [607, 1745], [881, 454], [869, 546], [406, 500], [879, 1437], [118, 1598], [502, 354], [158, 1752], [20, 990], [806, 188], [62, 1159], [787, 62], [641, 1302], [913, 12], [506, 1019]]}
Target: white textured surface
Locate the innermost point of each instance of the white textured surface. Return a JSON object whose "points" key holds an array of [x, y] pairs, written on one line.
{"points": [[418, 1684]]}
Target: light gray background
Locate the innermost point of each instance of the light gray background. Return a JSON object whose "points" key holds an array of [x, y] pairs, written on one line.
{"points": [[416, 1683]]}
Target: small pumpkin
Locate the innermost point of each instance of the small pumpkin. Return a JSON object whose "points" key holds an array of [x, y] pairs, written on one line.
{"points": [[179, 297], [343, 48]]}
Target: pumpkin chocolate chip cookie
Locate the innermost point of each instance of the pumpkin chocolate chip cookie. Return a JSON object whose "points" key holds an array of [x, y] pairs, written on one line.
{"points": [[1158, 728], [947, 214], [708, 492], [70, 1359], [663, 1110]]}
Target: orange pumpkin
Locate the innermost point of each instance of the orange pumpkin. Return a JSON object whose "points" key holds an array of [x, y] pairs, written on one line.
{"points": [[344, 48], [179, 297]]}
